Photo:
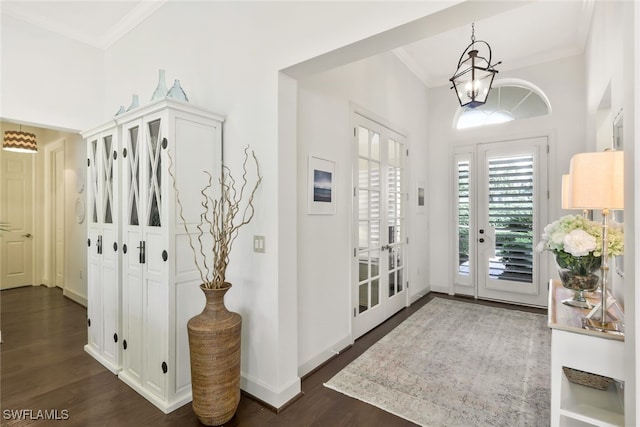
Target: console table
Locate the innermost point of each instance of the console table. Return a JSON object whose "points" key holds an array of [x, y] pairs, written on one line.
{"points": [[595, 352]]}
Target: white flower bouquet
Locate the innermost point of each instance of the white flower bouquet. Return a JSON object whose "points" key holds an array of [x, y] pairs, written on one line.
{"points": [[576, 243]]}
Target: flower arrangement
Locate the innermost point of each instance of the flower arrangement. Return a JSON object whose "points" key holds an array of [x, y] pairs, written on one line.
{"points": [[576, 243]]}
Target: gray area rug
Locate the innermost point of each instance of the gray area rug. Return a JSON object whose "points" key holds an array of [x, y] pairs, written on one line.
{"points": [[457, 364]]}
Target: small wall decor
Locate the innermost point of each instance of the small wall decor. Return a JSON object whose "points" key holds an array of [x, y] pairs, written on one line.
{"points": [[80, 209], [420, 196], [321, 186]]}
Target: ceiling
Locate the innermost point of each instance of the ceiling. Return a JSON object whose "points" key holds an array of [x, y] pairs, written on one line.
{"points": [[534, 33]]}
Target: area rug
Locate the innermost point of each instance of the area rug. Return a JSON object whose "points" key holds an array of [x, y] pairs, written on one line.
{"points": [[455, 363]]}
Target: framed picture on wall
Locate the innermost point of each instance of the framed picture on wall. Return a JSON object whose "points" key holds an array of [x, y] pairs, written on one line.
{"points": [[321, 186], [420, 196]]}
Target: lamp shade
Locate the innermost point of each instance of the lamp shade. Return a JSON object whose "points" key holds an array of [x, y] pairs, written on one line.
{"points": [[21, 142], [566, 192], [597, 180]]}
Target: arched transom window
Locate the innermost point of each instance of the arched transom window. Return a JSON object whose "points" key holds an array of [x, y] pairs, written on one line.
{"points": [[508, 100]]}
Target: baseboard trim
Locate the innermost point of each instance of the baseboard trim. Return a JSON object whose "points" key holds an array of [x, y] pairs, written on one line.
{"points": [[321, 358], [261, 392], [75, 297]]}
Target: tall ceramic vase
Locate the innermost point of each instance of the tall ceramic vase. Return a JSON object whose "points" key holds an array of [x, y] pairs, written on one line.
{"points": [[214, 345]]}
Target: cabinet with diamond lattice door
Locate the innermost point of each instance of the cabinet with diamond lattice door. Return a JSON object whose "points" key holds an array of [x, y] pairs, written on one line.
{"points": [[103, 257], [158, 282]]}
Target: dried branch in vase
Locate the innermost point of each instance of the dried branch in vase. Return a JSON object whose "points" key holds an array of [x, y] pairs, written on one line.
{"points": [[221, 218]]}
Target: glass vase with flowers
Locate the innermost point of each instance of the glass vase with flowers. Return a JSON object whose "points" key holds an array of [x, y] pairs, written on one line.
{"points": [[576, 243]]}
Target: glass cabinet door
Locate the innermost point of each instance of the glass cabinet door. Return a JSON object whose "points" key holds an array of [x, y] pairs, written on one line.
{"points": [[154, 176]]}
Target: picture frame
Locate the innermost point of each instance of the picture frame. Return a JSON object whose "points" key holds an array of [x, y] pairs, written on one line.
{"points": [[321, 187], [421, 197]]}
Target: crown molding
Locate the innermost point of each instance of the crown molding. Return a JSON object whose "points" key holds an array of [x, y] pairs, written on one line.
{"points": [[138, 14]]}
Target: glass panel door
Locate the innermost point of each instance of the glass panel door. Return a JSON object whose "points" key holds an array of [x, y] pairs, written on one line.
{"points": [[369, 192], [503, 190], [107, 169], [155, 174], [93, 181], [379, 195]]}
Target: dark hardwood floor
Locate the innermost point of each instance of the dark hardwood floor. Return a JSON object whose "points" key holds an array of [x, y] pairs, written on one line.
{"points": [[43, 367]]}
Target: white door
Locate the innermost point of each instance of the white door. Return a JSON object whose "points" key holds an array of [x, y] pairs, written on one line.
{"points": [[16, 209], [378, 270], [501, 187]]}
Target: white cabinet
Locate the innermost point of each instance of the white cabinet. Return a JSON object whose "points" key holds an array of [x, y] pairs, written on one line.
{"points": [[103, 290], [157, 280], [589, 351]]}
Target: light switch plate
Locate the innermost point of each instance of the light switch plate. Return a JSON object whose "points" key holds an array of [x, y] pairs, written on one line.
{"points": [[258, 244]]}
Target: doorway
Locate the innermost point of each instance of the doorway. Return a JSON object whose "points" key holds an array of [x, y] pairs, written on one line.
{"points": [[54, 221], [500, 189], [16, 210], [379, 260]]}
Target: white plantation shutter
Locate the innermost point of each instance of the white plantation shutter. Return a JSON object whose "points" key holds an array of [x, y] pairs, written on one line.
{"points": [[511, 203]]}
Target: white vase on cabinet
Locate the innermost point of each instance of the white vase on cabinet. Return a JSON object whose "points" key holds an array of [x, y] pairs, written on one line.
{"points": [[157, 284]]}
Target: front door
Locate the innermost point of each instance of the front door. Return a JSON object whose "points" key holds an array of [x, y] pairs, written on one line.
{"points": [[379, 266], [501, 187], [16, 214]]}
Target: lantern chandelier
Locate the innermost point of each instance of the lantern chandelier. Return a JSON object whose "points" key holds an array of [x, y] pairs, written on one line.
{"points": [[474, 76]]}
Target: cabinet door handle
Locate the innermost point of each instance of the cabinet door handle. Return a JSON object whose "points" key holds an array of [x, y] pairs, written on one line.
{"points": [[141, 254]]}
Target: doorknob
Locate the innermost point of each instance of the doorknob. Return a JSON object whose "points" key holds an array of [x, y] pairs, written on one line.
{"points": [[481, 240], [28, 235]]}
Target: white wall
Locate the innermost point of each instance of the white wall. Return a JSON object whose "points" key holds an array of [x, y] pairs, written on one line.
{"points": [[567, 137], [612, 61], [385, 87], [75, 175], [47, 79]]}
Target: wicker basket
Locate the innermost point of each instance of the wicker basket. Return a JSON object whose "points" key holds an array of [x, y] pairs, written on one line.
{"points": [[587, 379]]}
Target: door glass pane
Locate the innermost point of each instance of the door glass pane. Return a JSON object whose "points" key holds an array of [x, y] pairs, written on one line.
{"points": [[375, 292], [400, 280], [363, 298], [393, 148], [375, 146], [363, 234], [392, 283], [463, 218], [375, 233], [363, 142], [511, 216], [94, 180], [108, 179], [363, 175], [363, 203], [375, 263], [363, 263], [133, 177], [155, 181]]}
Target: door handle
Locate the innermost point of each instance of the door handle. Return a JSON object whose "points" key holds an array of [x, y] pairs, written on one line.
{"points": [[28, 235], [141, 254], [481, 240], [385, 247], [99, 244]]}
